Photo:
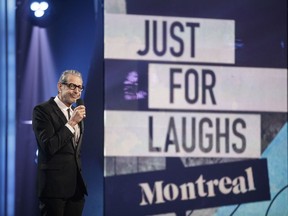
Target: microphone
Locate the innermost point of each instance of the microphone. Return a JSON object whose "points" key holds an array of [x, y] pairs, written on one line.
{"points": [[79, 102]]}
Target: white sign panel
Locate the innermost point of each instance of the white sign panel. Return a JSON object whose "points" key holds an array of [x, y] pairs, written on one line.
{"points": [[177, 39], [165, 134], [222, 88]]}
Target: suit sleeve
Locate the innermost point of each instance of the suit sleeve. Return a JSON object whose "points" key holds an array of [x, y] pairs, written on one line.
{"points": [[50, 132]]}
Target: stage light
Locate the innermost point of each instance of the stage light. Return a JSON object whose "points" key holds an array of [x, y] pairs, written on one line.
{"points": [[39, 8], [43, 13]]}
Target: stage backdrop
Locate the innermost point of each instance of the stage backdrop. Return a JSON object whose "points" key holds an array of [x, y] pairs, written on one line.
{"points": [[195, 107]]}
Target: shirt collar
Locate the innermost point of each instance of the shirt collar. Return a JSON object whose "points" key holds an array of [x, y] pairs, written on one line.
{"points": [[60, 104]]}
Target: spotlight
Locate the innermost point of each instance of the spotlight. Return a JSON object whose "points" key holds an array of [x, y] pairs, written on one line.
{"points": [[43, 13], [39, 8]]}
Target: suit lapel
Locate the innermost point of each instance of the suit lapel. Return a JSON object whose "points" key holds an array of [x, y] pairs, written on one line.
{"points": [[81, 126], [61, 115], [58, 111]]}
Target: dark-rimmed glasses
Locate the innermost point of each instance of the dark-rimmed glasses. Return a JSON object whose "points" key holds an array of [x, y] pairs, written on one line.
{"points": [[73, 86]]}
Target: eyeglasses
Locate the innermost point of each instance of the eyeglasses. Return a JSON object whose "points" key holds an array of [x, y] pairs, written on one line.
{"points": [[72, 86]]}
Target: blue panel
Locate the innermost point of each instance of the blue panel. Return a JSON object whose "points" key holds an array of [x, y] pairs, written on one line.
{"points": [[7, 108]]}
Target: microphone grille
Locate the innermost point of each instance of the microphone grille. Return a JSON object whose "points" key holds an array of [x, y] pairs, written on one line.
{"points": [[80, 102]]}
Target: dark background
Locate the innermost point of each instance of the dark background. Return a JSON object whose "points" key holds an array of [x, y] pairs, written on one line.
{"points": [[74, 31]]}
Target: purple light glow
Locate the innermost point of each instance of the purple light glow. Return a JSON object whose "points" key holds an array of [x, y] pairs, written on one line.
{"points": [[39, 82]]}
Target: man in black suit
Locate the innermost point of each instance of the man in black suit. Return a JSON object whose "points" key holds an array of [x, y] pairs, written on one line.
{"points": [[59, 128]]}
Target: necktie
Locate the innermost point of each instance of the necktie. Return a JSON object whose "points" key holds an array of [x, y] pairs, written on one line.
{"points": [[69, 115]]}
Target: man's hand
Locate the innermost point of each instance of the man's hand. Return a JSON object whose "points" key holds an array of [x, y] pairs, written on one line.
{"points": [[77, 116]]}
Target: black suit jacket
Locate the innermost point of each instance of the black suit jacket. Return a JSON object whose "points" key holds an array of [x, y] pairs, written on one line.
{"points": [[59, 162]]}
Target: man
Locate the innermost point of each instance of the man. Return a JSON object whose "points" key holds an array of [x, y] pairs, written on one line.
{"points": [[59, 128]]}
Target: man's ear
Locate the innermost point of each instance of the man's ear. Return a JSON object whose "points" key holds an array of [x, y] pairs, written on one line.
{"points": [[59, 85]]}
